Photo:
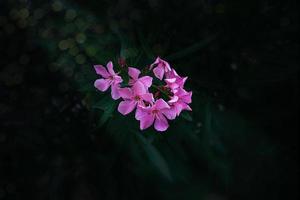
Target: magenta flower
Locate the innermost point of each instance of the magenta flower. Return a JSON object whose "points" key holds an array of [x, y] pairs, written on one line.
{"points": [[153, 114], [180, 81], [132, 97], [161, 67], [140, 93], [178, 103], [110, 78], [134, 75], [174, 81], [173, 84]]}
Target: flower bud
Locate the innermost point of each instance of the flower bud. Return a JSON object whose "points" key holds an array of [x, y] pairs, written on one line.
{"points": [[122, 62]]}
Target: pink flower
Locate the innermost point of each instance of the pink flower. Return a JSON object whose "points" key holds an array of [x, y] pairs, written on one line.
{"points": [[132, 97], [178, 103], [161, 67], [153, 114], [134, 74], [172, 84], [110, 78], [139, 95], [174, 81]]}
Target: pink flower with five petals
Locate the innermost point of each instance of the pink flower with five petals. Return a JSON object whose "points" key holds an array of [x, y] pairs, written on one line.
{"points": [[178, 103], [134, 75], [174, 81], [155, 113], [161, 67], [132, 97], [110, 78]]}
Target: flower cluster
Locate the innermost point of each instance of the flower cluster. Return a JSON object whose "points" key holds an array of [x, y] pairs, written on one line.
{"points": [[152, 103]]}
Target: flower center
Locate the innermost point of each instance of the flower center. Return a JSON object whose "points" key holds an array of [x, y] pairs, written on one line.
{"points": [[155, 112], [137, 98]]}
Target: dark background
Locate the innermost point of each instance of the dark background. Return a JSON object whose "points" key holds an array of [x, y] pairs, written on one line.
{"points": [[62, 139]]}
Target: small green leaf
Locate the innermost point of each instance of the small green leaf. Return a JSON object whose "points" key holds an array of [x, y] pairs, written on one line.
{"points": [[107, 113], [103, 103], [187, 116], [108, 106]]}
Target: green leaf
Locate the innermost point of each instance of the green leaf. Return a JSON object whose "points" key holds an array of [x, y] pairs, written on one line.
{"points": [[108, 106], [104, 102], [187, 116], [107, 113], [155, 157]]}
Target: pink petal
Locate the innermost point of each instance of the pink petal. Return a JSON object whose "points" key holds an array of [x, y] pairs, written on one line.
{"points": [[170, 113], [102, 84], [161, 104], [125, 107], [133, 73], [159, 72], [161, 123], [167, 66], [117, 79], [178, 108], [125, 93], [155, 62], [101, 71], [187, 98], [110, 67], [138, 88], [173, 99], [148, 97], [186, 107], [140, 112], [183, 81], [115, 92], [169, 75], [181, 92], [170, 80], [174, 72], [146, 80], [146, 121], [161, 63]]}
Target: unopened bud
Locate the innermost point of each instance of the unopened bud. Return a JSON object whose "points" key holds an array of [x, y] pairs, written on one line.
{"points": [[122, 62]]}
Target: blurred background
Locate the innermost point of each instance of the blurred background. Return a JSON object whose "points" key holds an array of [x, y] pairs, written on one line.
{"points": [[60, 138]]}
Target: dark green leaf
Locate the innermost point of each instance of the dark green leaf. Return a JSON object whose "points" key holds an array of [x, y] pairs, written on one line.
{"points": [[187, 116], [108, 106]]}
